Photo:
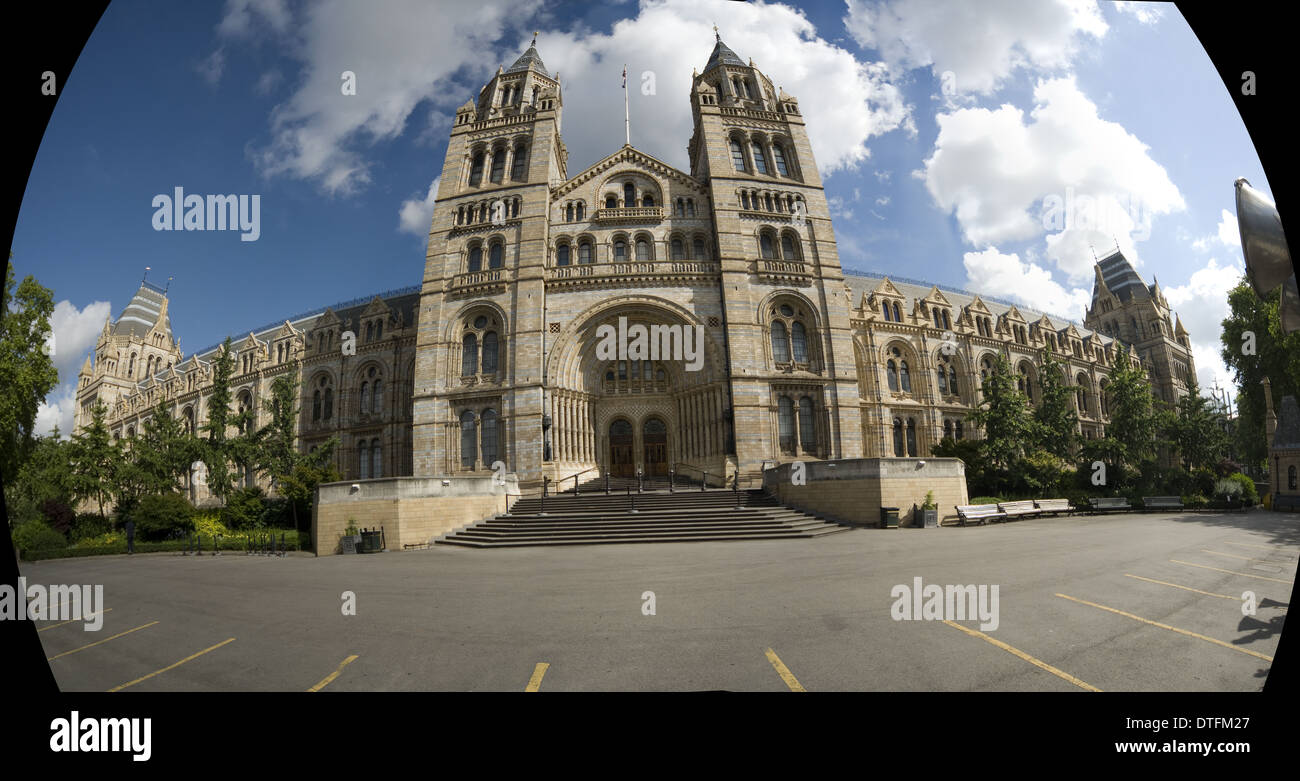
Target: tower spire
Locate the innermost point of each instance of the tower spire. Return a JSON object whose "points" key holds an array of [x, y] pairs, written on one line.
{"points": [[716, 36]]}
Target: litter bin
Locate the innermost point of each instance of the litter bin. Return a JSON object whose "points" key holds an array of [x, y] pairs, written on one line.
{"points": [[371, 542], [889, 517]]}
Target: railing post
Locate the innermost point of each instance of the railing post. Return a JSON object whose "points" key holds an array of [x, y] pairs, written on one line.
{"points": [[640, 481], [671, 478], [545, 481], [704, 479], [735, 487], [607, 484], [575, 485]]}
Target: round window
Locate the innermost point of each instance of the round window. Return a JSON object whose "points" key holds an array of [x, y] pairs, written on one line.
{"points": [[786, 310], [480, 321]]}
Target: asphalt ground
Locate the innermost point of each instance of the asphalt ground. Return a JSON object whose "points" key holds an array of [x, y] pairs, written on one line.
{"points": [[775, 616]]}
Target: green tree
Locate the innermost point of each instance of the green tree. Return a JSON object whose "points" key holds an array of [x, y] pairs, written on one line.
{"points": [[217, 450], [1134, 420], [46, 475], [164, 452], [1197, 431], [1255, 348], [96, 460], [27, 372], [299, 486], [277, 451], [1055, 418], [1003, 417]]}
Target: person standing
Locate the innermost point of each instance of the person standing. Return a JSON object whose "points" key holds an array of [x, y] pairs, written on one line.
{"points": [[130, 536]]}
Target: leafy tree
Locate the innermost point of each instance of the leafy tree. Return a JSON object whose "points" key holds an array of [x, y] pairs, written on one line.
{"points": [[159, 516], [1197, 431], [1275, 356], [1134, 420], [165, 452], [96, 460], [27, 373], [1003, 417], [299, 486], [217, 452], [277, 452], [1055, 418], [45, 475]]}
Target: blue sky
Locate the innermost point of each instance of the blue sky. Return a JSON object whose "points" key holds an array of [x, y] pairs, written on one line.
{"points": [[940, 130]]}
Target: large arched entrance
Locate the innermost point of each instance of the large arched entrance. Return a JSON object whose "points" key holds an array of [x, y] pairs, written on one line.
{"points": [[622, 462], [654, 439]]}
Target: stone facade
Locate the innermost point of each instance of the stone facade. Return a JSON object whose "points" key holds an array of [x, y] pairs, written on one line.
{"points": [[493, 358]]}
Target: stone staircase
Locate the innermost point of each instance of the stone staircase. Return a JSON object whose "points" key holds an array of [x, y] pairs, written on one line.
{"points": [[660, 516]]}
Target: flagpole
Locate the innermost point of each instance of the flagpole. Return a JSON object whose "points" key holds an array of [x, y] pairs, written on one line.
{"points": [[627, 122]]}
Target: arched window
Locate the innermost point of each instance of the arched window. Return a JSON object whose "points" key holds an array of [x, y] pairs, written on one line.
{"points": [[807, 426], [377, 394], [629, 195], [568, 213], [698, 249], [778, 154], [737, 156], [899, 451], [562, 255], [760, 162], [904, 377], [363, 459], [476, 170], [947, 429], [785, 424], [469, 355], [690, 207], [648, 200], [584, 252], [744, 200], [898, 314], [520, 163], [495, 255], [498, 165], [460, 216], [799, 342], [947, 323], [884, 307], [891, 372], [514, 207], [489, 425], [490, 352], [780, 343], [475, 258], [468, 441], [365, 397], [787, 247], [130, 367], [765, 246], [620, 251], [942, 375], [370, 332], [679, 250], [611, 201], [582, 211], [376, 459], [938, 320], [329, 403], [315, 406], [642, 249], [911, 437]]}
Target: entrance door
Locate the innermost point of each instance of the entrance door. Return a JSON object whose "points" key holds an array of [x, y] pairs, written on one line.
{"points": [[654, 435], [621, 462]]}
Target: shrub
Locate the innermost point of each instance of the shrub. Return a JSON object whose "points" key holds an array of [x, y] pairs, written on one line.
{"points": [[37, 536], [985, 500], [245, 509], [1227, 488], [59, 515], [1249, 494], [106, 540], [87, 525], [1202, 482], [1077, 498], [159, 516], [1195, 502]]}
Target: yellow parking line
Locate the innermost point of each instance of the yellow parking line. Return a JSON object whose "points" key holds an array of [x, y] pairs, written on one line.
{"points": [[1170, 628], [1249, 545], [327, 679], [97, 642], [784, 672], [1036, 662], [61, 623], [1185, 588], [1231, 572], [1229, 555], [172, 666], [536, 681]]}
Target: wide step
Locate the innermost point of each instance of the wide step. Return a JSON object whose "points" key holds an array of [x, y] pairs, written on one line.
{"points": [[595, 519]]}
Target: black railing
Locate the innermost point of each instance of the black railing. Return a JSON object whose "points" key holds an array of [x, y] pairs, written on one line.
{"points": [[559, 483], [704, 476]]}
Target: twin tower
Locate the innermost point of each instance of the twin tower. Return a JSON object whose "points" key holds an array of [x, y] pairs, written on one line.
{"points": [[526, 262]]}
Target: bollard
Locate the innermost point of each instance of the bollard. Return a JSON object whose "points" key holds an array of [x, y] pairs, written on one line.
{"points": [[199, 549], [383, 538], [282, 551]]}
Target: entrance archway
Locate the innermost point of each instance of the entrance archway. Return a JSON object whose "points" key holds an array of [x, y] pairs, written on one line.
{"points": [[622, 463], [654, 438]]}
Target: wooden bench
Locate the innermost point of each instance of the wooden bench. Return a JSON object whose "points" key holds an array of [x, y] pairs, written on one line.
{"points": [[1054, 506], [1162, 502], [981, 513], [1021, 509], [1110, 504]]}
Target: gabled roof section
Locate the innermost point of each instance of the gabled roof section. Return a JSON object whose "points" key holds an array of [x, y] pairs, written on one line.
{"points": [[628, 154], [529, 60], [886, 288], [147, 306], [935, 296], [722, 55]]}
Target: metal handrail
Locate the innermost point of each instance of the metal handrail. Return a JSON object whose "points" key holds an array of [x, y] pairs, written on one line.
{"points": [[559, 490], [704, 476]]}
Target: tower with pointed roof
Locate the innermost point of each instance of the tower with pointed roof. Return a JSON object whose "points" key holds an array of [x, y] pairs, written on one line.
{"points": [[1126, 308]]}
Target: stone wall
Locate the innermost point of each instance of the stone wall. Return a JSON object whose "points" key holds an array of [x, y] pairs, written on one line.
{"points": [[854, 490], [410, 509]]}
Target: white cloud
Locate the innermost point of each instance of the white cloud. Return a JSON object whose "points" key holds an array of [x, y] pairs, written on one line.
{"points": [[243, 17], [995, 170], [75, 333], [212, 66], [1007, 276], [980, 43], [1202, 304], [1146, 13], [837, 209], [416, 215], [1227, 234], [410, 53], [57, 410]]}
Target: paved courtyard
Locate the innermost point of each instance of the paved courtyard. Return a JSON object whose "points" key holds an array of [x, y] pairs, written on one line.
{"points": [[1116, 603]]}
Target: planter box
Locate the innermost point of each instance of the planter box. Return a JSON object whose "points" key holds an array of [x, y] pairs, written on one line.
{"points": [[929, 519], [350, 543]]}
